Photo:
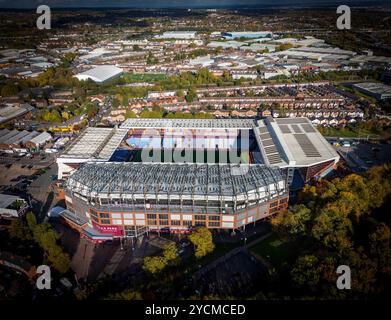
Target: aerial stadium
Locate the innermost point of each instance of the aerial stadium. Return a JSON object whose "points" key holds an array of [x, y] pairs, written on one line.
{"points": [[174, 175]]}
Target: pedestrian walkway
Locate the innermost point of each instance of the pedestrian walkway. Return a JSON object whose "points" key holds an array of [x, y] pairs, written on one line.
{"points": [[82, 259], [229, 254], [112, 265]]}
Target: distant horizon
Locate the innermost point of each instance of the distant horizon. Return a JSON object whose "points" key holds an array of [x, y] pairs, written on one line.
{"points": [[183, 4]]}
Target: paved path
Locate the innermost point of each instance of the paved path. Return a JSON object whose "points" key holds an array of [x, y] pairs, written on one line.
{"points": [[82, 258], [229, 254], [112, 265], [254, 242]]}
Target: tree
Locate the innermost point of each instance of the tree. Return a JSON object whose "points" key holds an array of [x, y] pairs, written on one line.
{"points": [[284, 46], [19, 230], [59, 259], [125, 295], [169, 252], [306, 271], [10, 89], [203, 241], [136, 48], [292, 222], [130, 114], [46, 237], [191, 95], [65, 115], [343, 221], [154, 265], [380, 247], [151, 59], [180, 93], [125, 100], [116, 103], [226, 77]]}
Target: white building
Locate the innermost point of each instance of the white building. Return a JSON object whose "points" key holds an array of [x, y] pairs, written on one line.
{"points": [[100, 74], [203, 61], [40, 140], [244, 75], [12, 206], [178, 35]]}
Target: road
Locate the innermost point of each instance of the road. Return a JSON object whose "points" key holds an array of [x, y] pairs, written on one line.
{"points": [[42, 193], [82, 259], [35, 161]]}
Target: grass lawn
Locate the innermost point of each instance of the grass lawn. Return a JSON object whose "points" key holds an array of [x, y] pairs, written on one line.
{"points": [[275, 251], [347, 132], [144, 77]]}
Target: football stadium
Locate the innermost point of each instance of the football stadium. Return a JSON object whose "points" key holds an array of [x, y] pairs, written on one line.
{"points": [[174, 175]]}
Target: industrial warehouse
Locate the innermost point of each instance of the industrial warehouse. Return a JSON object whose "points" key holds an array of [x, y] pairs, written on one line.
{"points": [[100, 74], [112, 191]]}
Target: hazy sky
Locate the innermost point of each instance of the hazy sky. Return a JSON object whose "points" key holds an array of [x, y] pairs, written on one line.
{"points": [[169, 3]]}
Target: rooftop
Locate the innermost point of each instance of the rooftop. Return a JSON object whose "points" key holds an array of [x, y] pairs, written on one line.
{"points": [[293, 142], [100, 73], [189, 123], [374, 87], [99, 179], [98, 143], [9, 112], [6, 200]]}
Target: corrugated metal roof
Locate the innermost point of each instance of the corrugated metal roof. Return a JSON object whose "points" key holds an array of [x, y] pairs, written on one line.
{"points": [[42, 138]]}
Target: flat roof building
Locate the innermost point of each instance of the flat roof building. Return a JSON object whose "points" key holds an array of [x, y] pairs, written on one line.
{"points": [[178, 35], [12, 206], [39, 140], [248, 34], [379, 91], [100, 74], [10, 112], [92, 144]]}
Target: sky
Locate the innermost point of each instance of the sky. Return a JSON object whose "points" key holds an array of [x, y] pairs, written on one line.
{"points": [[172, 3]]}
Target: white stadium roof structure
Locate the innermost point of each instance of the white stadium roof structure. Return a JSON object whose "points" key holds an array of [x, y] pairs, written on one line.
{"points": [[100, 74], [292, 142], [282, 142], [189, 123], [95, 143], [157, 180]]}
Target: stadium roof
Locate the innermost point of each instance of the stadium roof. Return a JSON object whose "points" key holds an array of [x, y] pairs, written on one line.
{"points": [[292, 142], [117, 179], [282, 141], [97, 143], [189, 123], [100, 73]]}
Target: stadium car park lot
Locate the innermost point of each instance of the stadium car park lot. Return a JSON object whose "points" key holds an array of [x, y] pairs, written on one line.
{"points": [[366, 154], [9, 175], [32, 182]]}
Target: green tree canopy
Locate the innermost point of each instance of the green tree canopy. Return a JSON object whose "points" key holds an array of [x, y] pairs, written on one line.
{"points": [[203, 241]]}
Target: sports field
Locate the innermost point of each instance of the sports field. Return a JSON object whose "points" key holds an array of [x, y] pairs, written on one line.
{"points": [[144, 77]]}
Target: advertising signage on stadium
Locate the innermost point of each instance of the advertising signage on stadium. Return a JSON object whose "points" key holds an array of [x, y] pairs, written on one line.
{"points": [[116, 231]]}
